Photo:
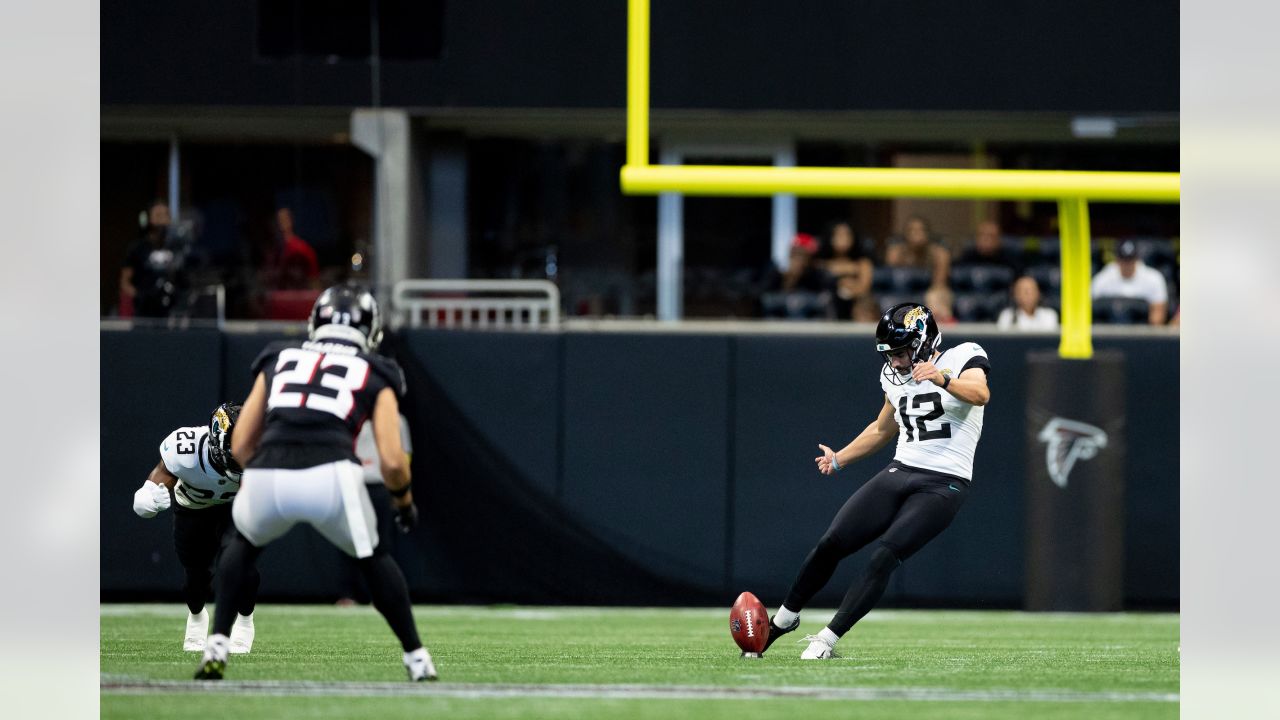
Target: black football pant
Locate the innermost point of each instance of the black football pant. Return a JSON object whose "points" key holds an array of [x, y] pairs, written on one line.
{"points": [[902, 508], [386, 582], [198, 536]]}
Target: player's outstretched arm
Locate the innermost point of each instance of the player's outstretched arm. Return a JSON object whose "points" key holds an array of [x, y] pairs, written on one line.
{"points": [[248, 431], [875, 436], [153, 496]]}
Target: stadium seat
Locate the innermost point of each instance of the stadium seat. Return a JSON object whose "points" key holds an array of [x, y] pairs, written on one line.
{"points": [[888, 300], [900, 280], [1048, 277], [1120, 310], [794, 305], [979, 306], [1047, 248], [981, 278], [1156, 251]]}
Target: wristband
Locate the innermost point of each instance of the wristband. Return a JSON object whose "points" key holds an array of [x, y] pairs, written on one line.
{"points": [[946, 380], [835, 464], [401, 492]]}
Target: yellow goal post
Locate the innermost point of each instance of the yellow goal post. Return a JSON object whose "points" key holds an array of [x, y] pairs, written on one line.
{"points": [[1072, 190]]}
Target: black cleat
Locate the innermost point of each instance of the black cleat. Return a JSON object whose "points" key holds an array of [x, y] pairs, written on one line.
{"points": [[776, 632], [211, 669]]}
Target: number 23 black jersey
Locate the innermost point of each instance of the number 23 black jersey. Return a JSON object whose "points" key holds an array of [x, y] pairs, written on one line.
{"points": [[318, 396]]}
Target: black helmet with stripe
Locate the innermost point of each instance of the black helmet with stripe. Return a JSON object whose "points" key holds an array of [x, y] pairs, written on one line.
{"points": [[908, 326], [346, 312]]}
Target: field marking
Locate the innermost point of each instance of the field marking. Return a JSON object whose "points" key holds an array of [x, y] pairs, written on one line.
{"points": [[534, 613], [115, 685]]}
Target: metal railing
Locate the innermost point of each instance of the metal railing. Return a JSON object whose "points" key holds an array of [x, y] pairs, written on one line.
{"points": [[495, 304]]}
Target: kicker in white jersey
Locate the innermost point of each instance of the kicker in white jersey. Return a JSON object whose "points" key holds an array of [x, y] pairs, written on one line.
{"points": [[185, 453], [935, 430]]}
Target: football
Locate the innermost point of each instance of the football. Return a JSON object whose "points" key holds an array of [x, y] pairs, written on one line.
{"points": [[749, 623]]}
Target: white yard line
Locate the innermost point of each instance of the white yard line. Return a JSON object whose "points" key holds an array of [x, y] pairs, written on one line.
{"points": [[113, 685], [557, 613]]}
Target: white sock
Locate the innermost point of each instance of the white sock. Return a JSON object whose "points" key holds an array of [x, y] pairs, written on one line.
{"points": [[244, 619], [419, 654], [829, 637], [786, 618]]}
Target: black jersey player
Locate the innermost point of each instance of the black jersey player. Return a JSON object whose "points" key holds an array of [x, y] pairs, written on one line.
{"points": [[296, 437], [933, 405]]}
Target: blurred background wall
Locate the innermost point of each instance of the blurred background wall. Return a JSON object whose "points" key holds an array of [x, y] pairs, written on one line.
{"points": [[640, 468]]}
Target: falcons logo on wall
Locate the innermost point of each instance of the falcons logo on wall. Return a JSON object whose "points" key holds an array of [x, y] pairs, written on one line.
{"points": [[1068, 441]]}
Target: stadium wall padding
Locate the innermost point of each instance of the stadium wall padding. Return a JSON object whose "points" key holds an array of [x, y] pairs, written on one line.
{"points": [[637, 468]]}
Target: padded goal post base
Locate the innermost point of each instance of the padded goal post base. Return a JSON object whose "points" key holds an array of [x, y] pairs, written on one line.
{"points": [[1075, 437]]}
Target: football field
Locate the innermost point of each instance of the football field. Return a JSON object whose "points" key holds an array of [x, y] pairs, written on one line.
{"points": [[516, 662]]}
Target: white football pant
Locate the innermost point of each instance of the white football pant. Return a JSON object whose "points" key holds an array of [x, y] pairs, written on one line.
{"points": [[332, 498]]}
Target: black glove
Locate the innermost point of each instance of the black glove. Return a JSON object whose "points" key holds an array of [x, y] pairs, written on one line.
{"points": [[407, 517]]}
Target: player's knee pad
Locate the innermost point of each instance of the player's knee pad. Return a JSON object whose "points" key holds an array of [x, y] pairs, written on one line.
{"points": [[884, 560]]}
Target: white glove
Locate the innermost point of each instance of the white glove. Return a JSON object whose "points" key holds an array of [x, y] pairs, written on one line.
{"points": [[150, 499]]}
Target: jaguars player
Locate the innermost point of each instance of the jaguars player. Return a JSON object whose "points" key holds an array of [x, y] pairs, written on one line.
{"points": [[198, 476], [934, 401], [296, 437]]}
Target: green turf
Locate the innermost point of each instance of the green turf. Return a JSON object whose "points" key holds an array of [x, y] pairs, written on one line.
{"points": [[1011, 653]]}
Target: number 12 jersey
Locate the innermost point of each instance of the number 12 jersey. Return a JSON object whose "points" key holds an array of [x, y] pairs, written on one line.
{"points": [[937, 431], [318, 396]]}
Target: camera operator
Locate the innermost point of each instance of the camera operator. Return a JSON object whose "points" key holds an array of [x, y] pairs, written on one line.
{"points": [[153, 275]]}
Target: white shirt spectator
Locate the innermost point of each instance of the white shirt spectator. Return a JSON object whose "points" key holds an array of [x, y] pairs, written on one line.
{"points": [[1043, 318], [1147, 283]]}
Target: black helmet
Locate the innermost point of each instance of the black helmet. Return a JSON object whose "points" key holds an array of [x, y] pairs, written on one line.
{"points": [[907, 325], [220, 426], [346, 312]]}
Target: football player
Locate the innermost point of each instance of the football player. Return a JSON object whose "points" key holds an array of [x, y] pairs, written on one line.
{"points": [[198, 476], [296, 436], [933, 405]]}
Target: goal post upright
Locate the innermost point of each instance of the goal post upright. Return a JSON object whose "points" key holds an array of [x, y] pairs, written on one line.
{"points": [[1072, 190]]}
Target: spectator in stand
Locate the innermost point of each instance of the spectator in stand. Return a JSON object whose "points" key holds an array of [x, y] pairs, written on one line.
{"points": [[850, 270], [867, 311], [989, 250], [1129, 277], [1026, 313], [297, 268], [801, 273], [940, 300], [147, 277], [915, 249]]}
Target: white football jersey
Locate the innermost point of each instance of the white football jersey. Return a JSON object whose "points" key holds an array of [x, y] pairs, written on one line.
{"points": [[367, 449], [936, 431], [185, 453]]}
